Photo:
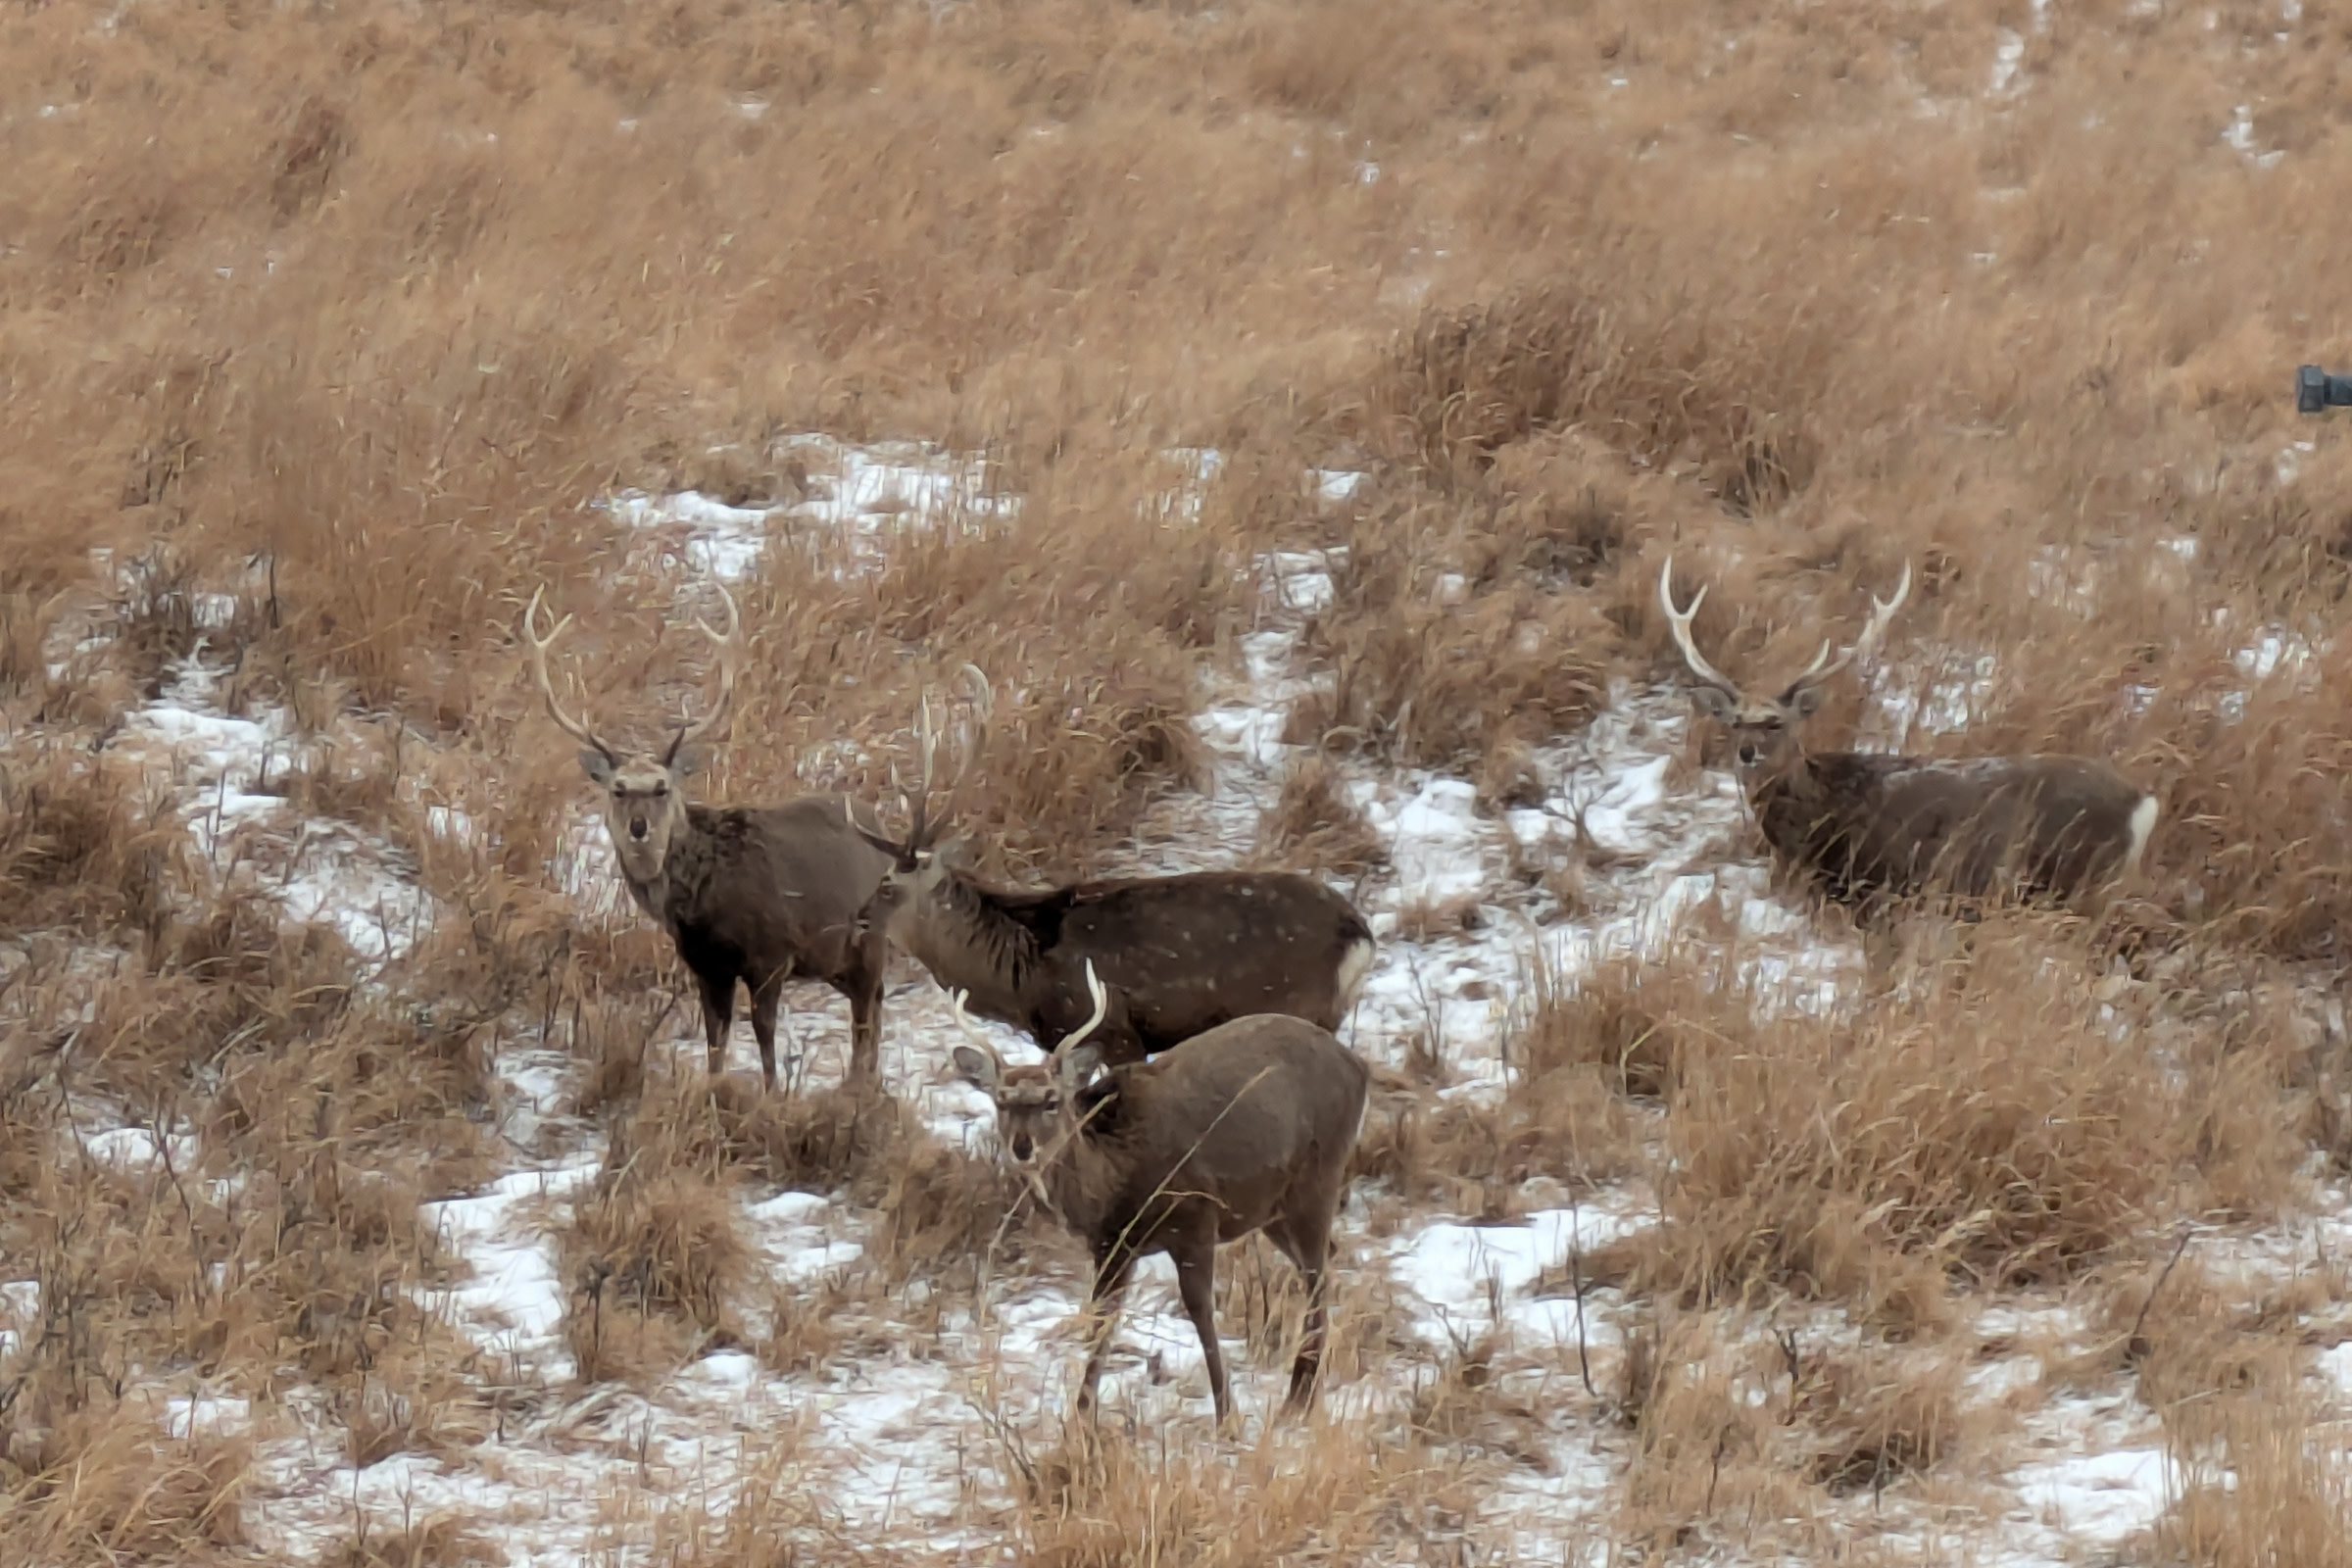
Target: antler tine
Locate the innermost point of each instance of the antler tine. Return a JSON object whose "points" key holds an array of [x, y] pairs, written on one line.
{"points": [[1102, 997], [1882, 613], [926, 754], [1815, 670], [983, 700], [970, 1030], [1680, 621], [547, 686], [729, 643]]}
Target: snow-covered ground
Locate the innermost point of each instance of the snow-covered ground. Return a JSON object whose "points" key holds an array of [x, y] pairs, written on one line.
{"points": [[903, 1442]]}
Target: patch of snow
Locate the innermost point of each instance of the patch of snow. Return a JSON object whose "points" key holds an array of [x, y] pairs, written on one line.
{"points": [[1468, 1275], [134, 1149], [2008, 54], [857, 495], [512, 1302], [1336, 485], [2240, 135], [205, 1415], [2098, 1498], [318, 871]]}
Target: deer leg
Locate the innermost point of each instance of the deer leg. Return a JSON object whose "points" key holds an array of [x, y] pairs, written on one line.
{"points": [[763, 1024], [1195, 1258], [1111, 1268], [718, 1017], [1307, 1246], [864, 990]]}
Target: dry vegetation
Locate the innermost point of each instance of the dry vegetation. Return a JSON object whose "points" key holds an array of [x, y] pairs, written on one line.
{"points": [[327, 330]]}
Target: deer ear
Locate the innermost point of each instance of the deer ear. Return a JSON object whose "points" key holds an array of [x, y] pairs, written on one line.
{"points": [[1805, 700], [976, 1070], [1076, 1067], [597, 765], [683, 759], [1717, 702]]}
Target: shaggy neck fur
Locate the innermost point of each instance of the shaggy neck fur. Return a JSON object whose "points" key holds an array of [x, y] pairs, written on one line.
{"points": [[1083, 1174], [960, 933]]}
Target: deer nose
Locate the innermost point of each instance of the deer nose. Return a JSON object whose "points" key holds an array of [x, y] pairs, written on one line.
{"points": [[1022, 1149], [636, 827], [1748, 755]]}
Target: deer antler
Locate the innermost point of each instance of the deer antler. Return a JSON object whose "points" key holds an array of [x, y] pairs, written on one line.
{"points": [[1102, 997], [1882, 612], [547, 687], [970, 1030], [1680, 621], [921, 825], [729, 644]]}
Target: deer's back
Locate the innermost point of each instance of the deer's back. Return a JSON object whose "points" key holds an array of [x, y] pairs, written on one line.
{"points": [[1190, 953], [1246, 1111], [1972, 826]]}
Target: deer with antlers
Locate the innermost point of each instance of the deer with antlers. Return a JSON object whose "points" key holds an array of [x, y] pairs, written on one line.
{"points": [[1182, 954], [1249, 1128], [1870, 827], [760, 895]]}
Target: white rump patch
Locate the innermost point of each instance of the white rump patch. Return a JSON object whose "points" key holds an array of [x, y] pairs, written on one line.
{"points": [[2143, 823], [1353, 965]]}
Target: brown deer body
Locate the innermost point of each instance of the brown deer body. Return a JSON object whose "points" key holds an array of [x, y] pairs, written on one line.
{"points": [[756, 895], [1871, 828], [1249, 1128], [1182, 954]]}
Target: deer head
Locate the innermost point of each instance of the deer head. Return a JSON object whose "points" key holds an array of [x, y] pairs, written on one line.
{"points": [[922, 859], [1765, 730], [1037, 1108], [644, 799]]}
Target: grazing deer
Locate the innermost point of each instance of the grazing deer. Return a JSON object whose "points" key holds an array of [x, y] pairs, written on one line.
{"points": [[1249, 1128], [1869, 827], [759, 894], [1182, 954]]}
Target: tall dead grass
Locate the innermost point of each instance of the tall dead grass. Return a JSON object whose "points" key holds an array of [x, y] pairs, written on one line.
{"points": [[351, 318], [2001, 1126]]}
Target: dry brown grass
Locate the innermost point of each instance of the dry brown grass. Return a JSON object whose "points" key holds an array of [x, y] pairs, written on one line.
{"points": [[448, 1540], [2272, 1490], [103, 1484], [1995, 1128], [655, 1264], [349, 318]]}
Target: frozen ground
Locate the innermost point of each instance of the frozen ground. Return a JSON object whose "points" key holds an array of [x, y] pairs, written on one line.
{"points": [[905, 1443]]}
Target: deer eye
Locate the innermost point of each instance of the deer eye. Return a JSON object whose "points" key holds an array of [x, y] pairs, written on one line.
{"points": [[661, 790]]}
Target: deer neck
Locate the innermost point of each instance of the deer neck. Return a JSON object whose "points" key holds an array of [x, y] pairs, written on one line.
{"points": [[1081, 1179], [970, 945], [674, 895], [1793, 781]]}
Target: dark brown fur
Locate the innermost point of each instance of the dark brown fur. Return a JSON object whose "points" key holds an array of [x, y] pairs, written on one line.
{"points": [[758, 893], [770, 894], [1250, 1127], [1182, 954], [1868, 829]]}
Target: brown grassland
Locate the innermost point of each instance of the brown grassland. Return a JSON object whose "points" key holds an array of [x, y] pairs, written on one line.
{"points": [[325, 327]]}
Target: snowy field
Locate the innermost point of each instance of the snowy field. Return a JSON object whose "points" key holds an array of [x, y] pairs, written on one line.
{"points": [[912, 1442]]}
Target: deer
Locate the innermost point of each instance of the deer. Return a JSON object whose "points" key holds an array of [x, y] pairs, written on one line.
{"points": [[1249, 1128], [1183, 954], [1871, 829], [759, 894]]}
